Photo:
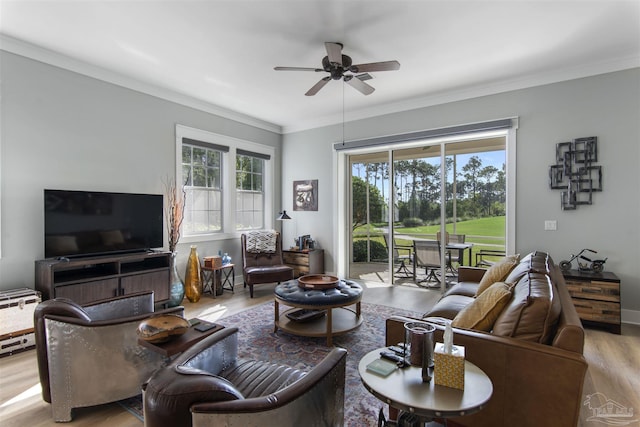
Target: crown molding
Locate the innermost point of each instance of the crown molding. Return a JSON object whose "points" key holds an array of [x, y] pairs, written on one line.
{"points": [[38, 53], [41, 54], [533, 80]]}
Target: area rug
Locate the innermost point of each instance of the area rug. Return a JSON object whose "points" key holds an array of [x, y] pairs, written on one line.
{"points": [[257, 340]]}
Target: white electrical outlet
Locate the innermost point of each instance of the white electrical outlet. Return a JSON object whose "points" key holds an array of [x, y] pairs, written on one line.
{"points": [[551, 224]]}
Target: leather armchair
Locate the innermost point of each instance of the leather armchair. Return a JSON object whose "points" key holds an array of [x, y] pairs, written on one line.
{"points": [[89, 355], [263, 267], [208, 386]]}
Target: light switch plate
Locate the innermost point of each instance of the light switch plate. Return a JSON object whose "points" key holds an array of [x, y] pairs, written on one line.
{"points": [[551, 224]]}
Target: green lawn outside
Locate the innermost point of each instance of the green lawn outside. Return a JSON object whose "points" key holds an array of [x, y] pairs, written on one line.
{"points": [[484, 233]]}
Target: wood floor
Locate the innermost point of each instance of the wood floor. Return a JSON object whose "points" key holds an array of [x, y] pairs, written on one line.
{"points": [[614, 361]]}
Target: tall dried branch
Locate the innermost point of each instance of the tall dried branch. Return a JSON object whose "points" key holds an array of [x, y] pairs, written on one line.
{"points": [[174, 211]]}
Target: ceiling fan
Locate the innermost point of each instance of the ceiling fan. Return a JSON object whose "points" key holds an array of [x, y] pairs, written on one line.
{"points": [[340, 66]]}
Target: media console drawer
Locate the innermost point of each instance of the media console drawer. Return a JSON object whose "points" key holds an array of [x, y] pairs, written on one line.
{"points": [[89, 279]]}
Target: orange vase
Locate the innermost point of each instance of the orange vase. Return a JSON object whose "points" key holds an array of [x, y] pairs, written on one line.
{"points": [[192, 278]]}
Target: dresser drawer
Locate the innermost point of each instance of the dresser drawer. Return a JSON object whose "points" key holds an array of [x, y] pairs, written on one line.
{"points": [[295, 258], [597, 311], [596, 290]]}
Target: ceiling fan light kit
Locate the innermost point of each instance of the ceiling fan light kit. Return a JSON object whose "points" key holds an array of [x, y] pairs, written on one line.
{"points": [[340, 66]]}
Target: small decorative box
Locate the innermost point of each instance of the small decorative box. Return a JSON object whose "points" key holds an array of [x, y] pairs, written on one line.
{"points": [[448, 369], [213, 261]]}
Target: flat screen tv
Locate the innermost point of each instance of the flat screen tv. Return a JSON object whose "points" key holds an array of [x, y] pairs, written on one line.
{"points": [[84, 223]]}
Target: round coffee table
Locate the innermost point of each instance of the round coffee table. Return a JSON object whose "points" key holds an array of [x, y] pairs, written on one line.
{"points": [[332, 322]]}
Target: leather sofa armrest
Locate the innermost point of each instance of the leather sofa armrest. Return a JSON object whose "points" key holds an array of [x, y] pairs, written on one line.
{"points": [[524, 376], [470, 274]]}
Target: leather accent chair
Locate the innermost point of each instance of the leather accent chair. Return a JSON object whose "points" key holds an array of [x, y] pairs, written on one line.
{"points": [[209, 386], [89, 355], [263, 267]]}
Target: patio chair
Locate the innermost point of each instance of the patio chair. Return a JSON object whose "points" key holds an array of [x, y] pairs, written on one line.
{"points": [[426, 253], [456, 238], [403, 271], [449, 258]]}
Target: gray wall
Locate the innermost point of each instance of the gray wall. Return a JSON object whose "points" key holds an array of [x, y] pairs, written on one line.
{"points": [[64, 130], [606, 106]]}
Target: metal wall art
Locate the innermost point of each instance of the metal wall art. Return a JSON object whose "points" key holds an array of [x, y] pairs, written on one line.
{"points": [[575, 172]]}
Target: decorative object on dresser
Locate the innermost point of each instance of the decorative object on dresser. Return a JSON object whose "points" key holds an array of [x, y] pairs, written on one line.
{"points": [[89, 279], [596, 265], [575, 172], [596, 297], [304, 262], [16, 320]]}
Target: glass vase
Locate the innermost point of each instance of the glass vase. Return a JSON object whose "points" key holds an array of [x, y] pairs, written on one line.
{"points": [[193, 277], [176, 285], [226, 259]]}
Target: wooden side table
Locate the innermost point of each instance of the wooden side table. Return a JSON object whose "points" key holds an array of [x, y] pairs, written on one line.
{"points": [[215, 279], [596, 297], [183, 342]]}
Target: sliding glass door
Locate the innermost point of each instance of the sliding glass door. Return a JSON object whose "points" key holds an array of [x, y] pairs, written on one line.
{"points": [[370, 216], [414, 221]]}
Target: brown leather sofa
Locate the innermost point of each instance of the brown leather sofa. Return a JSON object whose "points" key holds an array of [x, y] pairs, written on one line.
{"points": [[263, 267], [89, 355], [209, 386], [533, 354]]}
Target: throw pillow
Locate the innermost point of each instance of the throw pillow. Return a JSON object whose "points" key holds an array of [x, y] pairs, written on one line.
{"points": [[482, 313], [497, 272]]}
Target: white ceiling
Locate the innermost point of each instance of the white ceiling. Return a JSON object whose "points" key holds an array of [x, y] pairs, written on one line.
{"points": [[222, 53]]}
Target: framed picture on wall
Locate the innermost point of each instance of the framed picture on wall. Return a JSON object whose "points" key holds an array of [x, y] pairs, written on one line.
{"points": [[305, 195]]}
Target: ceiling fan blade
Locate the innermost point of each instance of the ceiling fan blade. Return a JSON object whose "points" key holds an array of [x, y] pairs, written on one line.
{"points": [[359, 85], [375, 66], [318, 86], [297, 69], [364, 76], [334, 52]]}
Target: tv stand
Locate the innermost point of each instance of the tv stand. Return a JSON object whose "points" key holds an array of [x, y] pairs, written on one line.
{"points": [[89, 279]]}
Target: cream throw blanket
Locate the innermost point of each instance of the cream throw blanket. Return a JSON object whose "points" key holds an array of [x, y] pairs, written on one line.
{"points": [[261, 241]]}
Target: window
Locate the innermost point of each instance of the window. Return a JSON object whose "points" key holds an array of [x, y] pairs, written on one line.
{"points": [[202, 179], [249, 191], [228, 184]]}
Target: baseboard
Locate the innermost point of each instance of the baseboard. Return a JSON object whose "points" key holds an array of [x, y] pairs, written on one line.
{"points": [[631, 316]]}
